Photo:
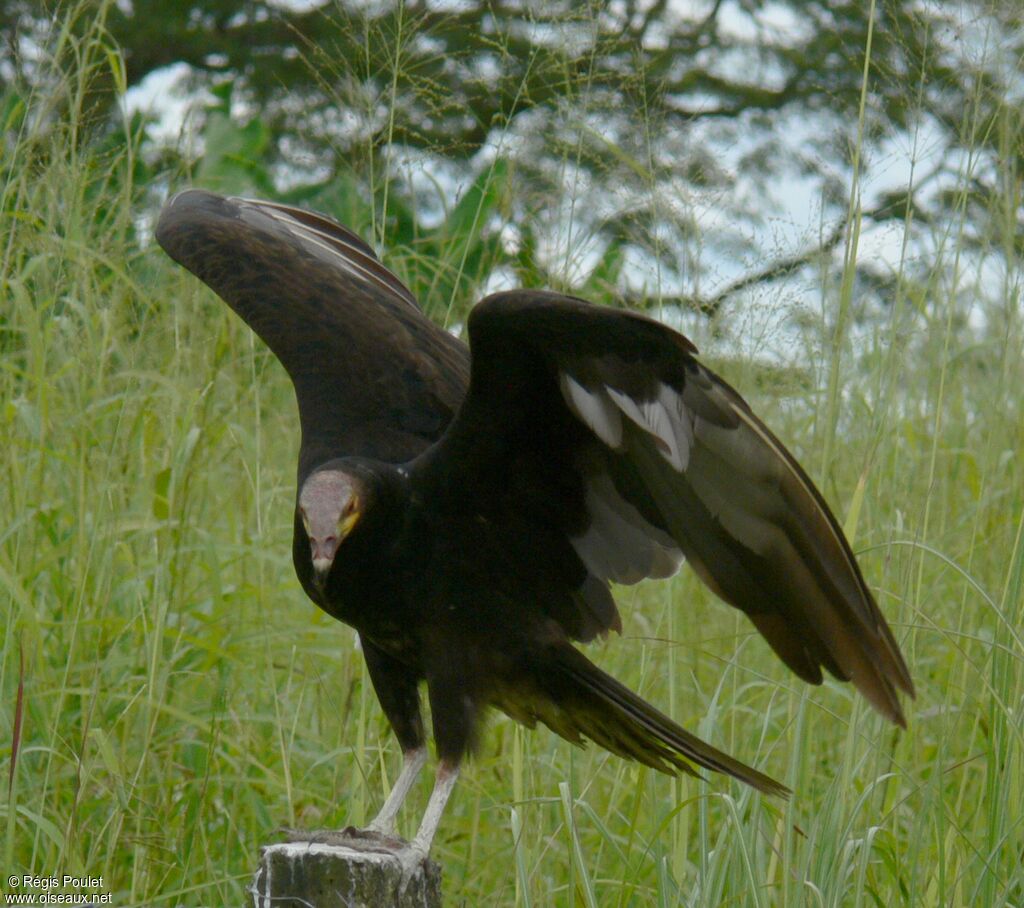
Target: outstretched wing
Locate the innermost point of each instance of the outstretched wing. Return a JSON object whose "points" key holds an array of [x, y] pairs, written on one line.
{"points": [[372, 374], [664, 460]]}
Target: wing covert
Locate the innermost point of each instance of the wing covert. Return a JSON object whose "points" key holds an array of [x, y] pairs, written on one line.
{"points": [[373, 376], [672, 463]]}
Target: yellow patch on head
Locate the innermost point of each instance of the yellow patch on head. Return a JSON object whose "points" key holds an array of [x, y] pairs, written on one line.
{"points": [[349, 517]]}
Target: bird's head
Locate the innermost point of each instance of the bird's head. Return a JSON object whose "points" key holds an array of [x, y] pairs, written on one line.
{"points": [[331, 502]]}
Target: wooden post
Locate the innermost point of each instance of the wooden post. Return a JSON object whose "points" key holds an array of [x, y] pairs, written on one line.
{"points": [[351, 875]]}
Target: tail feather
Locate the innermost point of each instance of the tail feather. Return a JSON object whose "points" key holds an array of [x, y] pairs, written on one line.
{"points": [[592, 704]]}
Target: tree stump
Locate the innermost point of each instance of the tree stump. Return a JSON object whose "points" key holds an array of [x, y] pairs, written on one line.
{"points": [[356, 874]]}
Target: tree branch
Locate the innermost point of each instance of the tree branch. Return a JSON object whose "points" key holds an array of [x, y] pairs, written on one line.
{"points": [[890, 207]]}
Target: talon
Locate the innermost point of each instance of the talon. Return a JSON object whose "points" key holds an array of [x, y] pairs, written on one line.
{"points": [[411, 858], [303, 835]]}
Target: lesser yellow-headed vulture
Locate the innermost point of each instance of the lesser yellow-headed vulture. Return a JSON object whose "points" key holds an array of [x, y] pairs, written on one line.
{"points": [[465, 508]]}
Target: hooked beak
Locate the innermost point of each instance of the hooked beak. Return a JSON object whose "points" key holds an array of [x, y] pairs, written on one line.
{"points": [[324, 551]]}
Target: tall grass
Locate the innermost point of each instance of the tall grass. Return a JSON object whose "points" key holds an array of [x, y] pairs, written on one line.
{"points": [[176, 698]]}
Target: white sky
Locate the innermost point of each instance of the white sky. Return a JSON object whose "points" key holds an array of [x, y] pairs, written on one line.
{"points": [[792, 215]]}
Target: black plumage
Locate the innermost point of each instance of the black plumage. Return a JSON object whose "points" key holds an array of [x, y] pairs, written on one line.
{"points": [[466, 514]]}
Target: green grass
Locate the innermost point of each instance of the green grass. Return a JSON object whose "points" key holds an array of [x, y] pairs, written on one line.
{"points": [[179, 698]]}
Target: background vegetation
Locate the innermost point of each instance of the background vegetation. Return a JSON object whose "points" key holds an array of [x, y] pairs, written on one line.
{"points": [[168, 696]]}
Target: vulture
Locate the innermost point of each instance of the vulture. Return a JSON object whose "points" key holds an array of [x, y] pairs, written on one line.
{"points": [[466, 508]]}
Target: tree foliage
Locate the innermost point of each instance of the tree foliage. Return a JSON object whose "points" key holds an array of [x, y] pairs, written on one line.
{"points": [[638, 127]]}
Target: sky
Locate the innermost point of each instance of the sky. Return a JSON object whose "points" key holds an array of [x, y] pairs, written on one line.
{"points": [[790, 212]]}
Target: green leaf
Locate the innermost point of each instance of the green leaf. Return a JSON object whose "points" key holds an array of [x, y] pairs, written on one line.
{"points": [[853, 514], [161, 494], [485, 196], [235, 155]]}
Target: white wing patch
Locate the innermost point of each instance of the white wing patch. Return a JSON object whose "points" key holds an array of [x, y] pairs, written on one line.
{"points": [[741, 450], [619, 544], [342, 253], [595, 409], [750, 512], [349, 261], [665, 416]]}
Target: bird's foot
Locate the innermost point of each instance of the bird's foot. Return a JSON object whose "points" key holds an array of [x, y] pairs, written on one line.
{"points": [[383, 830], [412, 858], [368, 839]]}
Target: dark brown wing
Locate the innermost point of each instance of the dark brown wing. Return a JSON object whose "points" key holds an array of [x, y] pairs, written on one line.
{"points": [[668, 461], [372, 374]]}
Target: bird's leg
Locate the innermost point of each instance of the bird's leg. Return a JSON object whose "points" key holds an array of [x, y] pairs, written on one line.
{"points": [[447, 775], [413, 856], [384, 823], [396, 685]]}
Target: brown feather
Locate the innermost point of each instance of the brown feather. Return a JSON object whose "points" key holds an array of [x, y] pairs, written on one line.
{"points": [[373, 375], [579, 700]]}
